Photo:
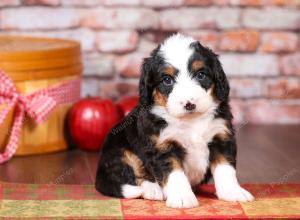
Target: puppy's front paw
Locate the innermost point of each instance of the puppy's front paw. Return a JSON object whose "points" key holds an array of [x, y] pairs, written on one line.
{"points": [[178, 191], [182, 199], [152, 191], [234, 194]]}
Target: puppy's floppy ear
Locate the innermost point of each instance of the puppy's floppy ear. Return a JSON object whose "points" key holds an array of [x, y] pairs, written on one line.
{"points": [[222, 87], [149, 71], [221, 83], [145, 87]]}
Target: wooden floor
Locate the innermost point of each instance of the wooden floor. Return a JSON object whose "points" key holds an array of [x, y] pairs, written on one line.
{"points": [[266, 154]]}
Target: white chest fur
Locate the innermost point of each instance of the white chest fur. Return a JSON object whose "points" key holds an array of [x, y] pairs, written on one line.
{"points": [[194, 133]]}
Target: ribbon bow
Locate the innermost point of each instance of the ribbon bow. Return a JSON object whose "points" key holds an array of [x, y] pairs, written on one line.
{"points": [[36, 105]]}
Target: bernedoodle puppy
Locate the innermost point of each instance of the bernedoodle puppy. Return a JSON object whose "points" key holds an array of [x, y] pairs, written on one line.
{"points": [[179, 135]]}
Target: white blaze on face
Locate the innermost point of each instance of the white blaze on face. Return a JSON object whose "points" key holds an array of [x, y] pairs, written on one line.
{"points": [[176, 51]]}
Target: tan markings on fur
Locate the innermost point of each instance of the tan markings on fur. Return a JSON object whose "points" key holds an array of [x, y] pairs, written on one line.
{"points": [[219, 129], [219, 159], [159, 99], [212, 92], [175, 165], [223, 136], [166, 145], [197, 65], [169, 70], [174, 162], [154, 138], [136, 164]]}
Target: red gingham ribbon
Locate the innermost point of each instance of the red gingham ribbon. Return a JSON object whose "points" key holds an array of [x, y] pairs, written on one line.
{"points": [[36, 105]]}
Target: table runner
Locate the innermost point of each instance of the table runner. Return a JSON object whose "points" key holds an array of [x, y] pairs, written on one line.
{"points": [[50, 201]]}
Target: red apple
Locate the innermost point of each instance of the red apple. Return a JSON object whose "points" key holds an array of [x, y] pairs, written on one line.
{"points": [[90, 120], [126, 104]]}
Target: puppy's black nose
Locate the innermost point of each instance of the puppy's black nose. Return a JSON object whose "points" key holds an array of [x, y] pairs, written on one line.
{"points": [[189, 106]]}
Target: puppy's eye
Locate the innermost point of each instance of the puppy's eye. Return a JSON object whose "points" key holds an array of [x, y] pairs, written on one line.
{"points": [[200, 75], [168, 81]]}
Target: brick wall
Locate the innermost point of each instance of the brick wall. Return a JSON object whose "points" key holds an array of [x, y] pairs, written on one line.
{"points": [[258, 42]]}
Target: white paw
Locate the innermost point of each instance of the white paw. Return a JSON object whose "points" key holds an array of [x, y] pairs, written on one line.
{"points": [[234, 193], [182, 198], [178, 191], [152, 191]]}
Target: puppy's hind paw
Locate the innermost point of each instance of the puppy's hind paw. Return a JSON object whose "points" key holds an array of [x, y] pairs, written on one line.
{"points": [[152, 191]]}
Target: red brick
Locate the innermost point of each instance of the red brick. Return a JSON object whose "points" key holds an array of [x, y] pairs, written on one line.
{"points": [[240, 40], [156, 36], [194, 18], [280, 2], [117, 41], [279, 42], [4, 3], [108, 89], [246, 2], [266, 111], [198, 2], [246, 88], [42, 2], [290, 64], [129, 65], [272, 18], [115, 89], [127, 88], [151, 3], [39, 18], [222, 2], [124, 18], [250, 64], [207, 38], [283, 2], [257, 3], [82, 2], [283, 88]]}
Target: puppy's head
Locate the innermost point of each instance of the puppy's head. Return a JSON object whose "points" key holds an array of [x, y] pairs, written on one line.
{"points": [[184, 77]]}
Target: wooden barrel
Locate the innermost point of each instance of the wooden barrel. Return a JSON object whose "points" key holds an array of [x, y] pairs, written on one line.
{"points": [[34, 64]]}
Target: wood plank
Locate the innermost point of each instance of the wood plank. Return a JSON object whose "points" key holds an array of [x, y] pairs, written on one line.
{"points": [[61, 168], [266, 154]]}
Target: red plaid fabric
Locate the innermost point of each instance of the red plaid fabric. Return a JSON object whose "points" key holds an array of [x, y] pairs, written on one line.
{"points": [[36, 105]]}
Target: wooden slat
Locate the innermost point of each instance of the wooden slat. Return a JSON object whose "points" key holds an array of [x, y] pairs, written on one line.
{"points": [[266, 154], [75, 70], [49, 64]]}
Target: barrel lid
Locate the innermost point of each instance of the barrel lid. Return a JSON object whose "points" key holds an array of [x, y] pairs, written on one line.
{"points": [[46, 74], [19, 48]]}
